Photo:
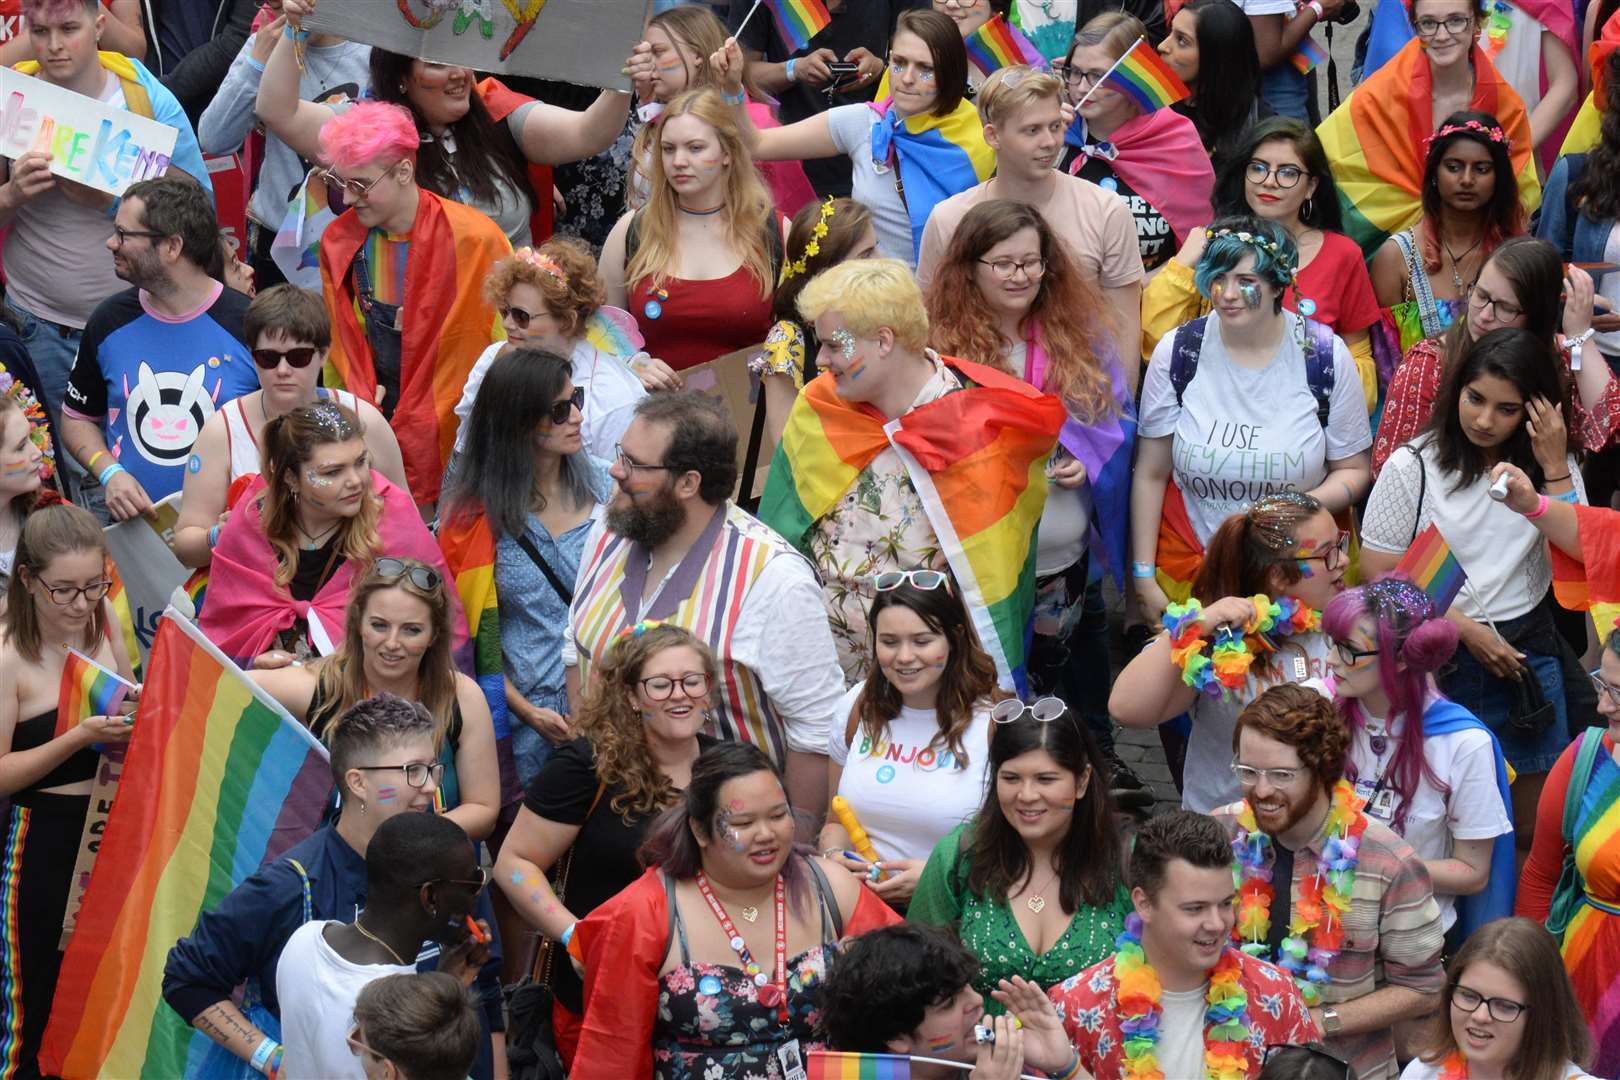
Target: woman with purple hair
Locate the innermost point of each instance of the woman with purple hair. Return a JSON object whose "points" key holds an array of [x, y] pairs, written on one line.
{"points": [[1425, 766]]}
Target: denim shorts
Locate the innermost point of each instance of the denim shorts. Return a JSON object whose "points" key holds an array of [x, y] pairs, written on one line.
{"points": [[1491, 698]]}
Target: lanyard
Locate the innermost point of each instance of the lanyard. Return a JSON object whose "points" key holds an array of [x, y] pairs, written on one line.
{"points": [[769, 994]]}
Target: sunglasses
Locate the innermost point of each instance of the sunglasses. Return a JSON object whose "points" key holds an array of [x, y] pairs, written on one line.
{"points": [[298, 359], [471, 886], [519, 316], [562, 410], [1046, 710], [926, 580], [424, 578]]}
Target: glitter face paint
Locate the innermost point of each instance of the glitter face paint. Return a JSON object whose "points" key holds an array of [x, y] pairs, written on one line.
{"points": [[1250, 294], [844, 342], [315, 479]]}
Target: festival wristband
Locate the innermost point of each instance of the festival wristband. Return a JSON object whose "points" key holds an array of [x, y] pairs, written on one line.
{"points": [[1071, 1072], [256, 64], [735, 99], [274, 1072], [109, 472], [260, 1061], [787, 70], [294, 35], [1315, 7], [567, 935], [1143, 570], [1541, 508], [213, 537], [1571, 496]]}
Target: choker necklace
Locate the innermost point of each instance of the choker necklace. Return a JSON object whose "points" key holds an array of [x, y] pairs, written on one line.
{"points": [[368, 934], [702, 213], [314, 539]]}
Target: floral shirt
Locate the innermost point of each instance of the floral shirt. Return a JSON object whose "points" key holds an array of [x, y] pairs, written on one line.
{"points": [[711, 1025], [1088, 1006], [878, 525]]}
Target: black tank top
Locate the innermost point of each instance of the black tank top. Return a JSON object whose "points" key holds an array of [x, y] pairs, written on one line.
{"points": [[41, 729]]}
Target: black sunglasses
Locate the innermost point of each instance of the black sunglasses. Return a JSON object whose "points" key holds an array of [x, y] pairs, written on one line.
{"points": [[270, 359], [422, 577], [562, 410], [519, 316]]}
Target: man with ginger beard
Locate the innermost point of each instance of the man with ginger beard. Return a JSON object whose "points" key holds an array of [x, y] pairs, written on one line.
{"points": [[1301, 821], [673, 547]]}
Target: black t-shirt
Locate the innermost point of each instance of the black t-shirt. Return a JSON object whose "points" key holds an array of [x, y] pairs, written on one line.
{"points": [[1153, 233], [563, 792], [867, 24], [1282, 898]]}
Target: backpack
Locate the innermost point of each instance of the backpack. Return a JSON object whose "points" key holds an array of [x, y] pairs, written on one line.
{"points": [[1189, 343]]}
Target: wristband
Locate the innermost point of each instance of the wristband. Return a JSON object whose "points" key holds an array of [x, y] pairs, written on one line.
{"points": [[256, 64], [294, 35], [787, 70], [213, 537], [567, 935], [109, 472], [260, 1061], [1570, 497], [735, 99], [1541, 508], [1143, 570], [90, 466], [1554, 479], [1315, 7], [1071, 1072], [274, 1072]]}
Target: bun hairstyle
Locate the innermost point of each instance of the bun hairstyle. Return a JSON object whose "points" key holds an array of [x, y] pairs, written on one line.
{"points": [[1413, 641]]}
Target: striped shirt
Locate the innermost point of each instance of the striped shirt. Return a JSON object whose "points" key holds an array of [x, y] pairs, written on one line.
{"points": [[1393, 935]]}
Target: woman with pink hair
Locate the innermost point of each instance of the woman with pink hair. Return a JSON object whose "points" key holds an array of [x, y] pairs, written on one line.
{"points": [[1425, 766]]}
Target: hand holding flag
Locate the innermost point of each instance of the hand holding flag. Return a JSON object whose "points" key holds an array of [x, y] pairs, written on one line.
{"points": [[88, 689], [1143, 76], [998, 44]]}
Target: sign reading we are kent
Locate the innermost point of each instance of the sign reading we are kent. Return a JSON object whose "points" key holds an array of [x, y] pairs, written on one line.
{"points": [[89, 142]]}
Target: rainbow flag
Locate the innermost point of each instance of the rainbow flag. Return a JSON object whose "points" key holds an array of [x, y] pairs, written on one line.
{"points": [[1592, 582], [998, 44], [296, 248], [799, 20], [88, 689], [839, 1065], [1431, 566], [1307, 56], [217, 780], [977, 459], [1143, 76]]}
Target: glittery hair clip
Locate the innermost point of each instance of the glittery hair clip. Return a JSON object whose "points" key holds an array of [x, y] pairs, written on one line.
{"points": [[636, 630], [1493, 132], [1273, 536], [1399, 601], [1259, 243], [542, 263], [813, 248]]}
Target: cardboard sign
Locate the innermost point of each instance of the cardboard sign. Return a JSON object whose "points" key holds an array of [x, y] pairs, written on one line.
{"points": [[728, 378], [577, 41], [226, 173], [90, 142], [95, 825], [141, 550]]}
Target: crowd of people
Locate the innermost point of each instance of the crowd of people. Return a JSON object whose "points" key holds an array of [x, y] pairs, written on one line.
{"points": [[682, 732]]}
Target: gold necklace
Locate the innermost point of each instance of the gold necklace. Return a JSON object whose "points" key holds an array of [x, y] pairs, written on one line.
{"points": [[368, 934], [1036, 902]]}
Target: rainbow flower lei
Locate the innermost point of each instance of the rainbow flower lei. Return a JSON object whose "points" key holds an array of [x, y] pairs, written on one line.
{"points": [[1225, 669], [1137, 993], [1322, 900]]}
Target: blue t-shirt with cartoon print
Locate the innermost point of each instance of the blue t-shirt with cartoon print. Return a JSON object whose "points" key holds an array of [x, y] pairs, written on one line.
{"points": [[152, 381]]}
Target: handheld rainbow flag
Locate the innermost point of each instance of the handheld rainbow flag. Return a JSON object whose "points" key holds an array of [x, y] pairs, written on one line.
{"points": [[1143, 76], [88, 689], [838, 1065], [798, 20], [1307, 56], [1432, 567], [998, 44], [207, 747]]}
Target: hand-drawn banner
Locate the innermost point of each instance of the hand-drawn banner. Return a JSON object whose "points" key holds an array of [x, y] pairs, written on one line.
{"points": [[578, 41], [93, 143]]}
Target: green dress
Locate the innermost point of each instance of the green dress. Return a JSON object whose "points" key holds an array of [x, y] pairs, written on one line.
{"points": [[989, 931]]}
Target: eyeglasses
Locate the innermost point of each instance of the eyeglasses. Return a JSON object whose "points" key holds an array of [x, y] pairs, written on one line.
{"points": [[1332, 557], [662, 687], [357, 1047], [122, 235], [926, 580], [1083, 78], [1313, 1049], [1277, 778], [358, 188], [618, 452], [1427, 26], [474, 886], [63, 595], [899, 68], [423, 577], [298, 359], [961, 5], [1349, 655], [562, 410], [1046, 710], [1504, 1009], [1603, 686], [1287, 176], [519, 316], [416, 773], [1006, 268], [1480, 300]]}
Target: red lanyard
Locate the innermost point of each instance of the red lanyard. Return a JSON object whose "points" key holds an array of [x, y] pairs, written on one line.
{"points": [[769, 994]]}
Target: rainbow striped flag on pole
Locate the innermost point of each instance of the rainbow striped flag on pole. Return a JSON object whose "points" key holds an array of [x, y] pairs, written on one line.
{"points": [[1432, 567], [1143, 76], [799, 20], [998, 44], [1307, 56], [839, 1065], [88, 689], [217, 780]]}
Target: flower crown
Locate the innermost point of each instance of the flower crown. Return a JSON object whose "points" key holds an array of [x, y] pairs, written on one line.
{"points": [[543, 263], [1493, 132], [813, 248], [1259, 243], [636, 630]]}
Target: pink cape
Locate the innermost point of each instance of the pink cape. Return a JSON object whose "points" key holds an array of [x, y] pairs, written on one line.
{"points": [[245, 608], [1162, 159]]}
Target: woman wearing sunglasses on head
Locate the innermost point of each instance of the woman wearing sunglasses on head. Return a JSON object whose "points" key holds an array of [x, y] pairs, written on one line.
{"points": [[290, 332], [1033, 884], [907, 745]]}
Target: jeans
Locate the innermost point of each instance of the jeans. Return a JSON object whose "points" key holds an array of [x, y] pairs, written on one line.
{"points": [[1283, 89], [53, 348], [1075, 666]]}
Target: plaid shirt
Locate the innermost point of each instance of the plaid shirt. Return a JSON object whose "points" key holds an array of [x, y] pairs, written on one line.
{"points": [[1087, 1005], [1393, 935]]}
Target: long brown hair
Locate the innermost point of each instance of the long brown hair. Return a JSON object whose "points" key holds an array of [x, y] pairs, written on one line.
{"points": [[1554, 1032], [50, 532], [341, 677], [19, 504], [1535, 269], [969, 677], [290, 441], [611, 719], [747, 203], [1068, 309]]}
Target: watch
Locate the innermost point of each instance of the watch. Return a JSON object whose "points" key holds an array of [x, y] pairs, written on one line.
{"points": [[1331, 1024]]}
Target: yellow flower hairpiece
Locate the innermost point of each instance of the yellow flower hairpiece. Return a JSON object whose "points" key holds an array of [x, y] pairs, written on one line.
{"points": [[813, 248]]}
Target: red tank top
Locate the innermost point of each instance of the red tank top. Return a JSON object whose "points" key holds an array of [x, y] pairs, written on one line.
{"points": [[691, 322]]}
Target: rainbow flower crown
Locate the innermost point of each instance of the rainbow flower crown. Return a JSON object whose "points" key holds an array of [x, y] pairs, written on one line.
{"points": [[544, 263]]}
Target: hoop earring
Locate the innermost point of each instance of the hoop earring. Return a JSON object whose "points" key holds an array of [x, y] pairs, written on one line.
{"points": [[1305, 211]]}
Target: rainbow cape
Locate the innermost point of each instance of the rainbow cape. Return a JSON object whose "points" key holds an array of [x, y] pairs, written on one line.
{"points": [[1375, 142], [998, 44], [799, 20], [208, 746], [1592, 582], [977, 459], [1143, 76], [939, 156], [1431, 566], [88, 689], [839, 1065]]}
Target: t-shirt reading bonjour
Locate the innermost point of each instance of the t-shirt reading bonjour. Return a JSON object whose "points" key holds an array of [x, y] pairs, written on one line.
{"points": [[1241, 433], [153, 381]]}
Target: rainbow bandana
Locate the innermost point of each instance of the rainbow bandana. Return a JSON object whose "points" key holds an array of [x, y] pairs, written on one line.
{"points": [[977, 458], [938, 156]]}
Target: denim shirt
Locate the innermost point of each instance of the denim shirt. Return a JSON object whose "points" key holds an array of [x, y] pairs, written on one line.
{"points": [[1577, 237]]}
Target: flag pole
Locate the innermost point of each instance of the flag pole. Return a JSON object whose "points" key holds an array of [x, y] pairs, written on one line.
{"points": [[1107, 73], [737, 33]]}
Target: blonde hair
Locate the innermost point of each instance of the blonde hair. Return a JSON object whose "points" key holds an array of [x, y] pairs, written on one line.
{"points": [[1011, 89], [870, 294], [689, 27], [748, 210], [1115, 31]]}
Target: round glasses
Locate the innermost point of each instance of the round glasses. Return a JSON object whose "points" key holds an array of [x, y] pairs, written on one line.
{"points": [[662, 687], [1287, 176], [1480, 300], [63, 595], [926, 580], [1045, 710]]}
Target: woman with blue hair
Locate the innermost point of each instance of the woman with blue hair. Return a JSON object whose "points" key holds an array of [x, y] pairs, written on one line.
{"points": [[1276, 405]]}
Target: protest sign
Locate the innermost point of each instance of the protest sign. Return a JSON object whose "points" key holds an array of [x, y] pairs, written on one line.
{"points": [[148, 572], [89, 141], [728, 378], [577, 41]]}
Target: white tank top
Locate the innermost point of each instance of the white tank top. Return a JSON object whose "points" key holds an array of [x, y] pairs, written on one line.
{"points": [[239, 439]]}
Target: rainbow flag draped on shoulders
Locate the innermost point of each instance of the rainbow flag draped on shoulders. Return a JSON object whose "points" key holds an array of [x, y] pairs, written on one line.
{"points": [[938, 156], [977, 458], [1592, 582], [1376, 142], [217, 780]]}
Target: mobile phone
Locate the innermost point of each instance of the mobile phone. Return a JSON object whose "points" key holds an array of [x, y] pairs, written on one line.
{"points": [[839, 69]]}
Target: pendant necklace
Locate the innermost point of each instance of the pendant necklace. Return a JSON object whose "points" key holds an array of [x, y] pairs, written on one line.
{"points": [[1456, 278], [1036, 902]]}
